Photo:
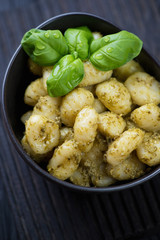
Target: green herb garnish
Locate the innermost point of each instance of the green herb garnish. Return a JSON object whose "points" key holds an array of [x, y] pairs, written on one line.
{"points": [[112, 51], [79, 40], [65, 76], [51, 47], [44, 47]]}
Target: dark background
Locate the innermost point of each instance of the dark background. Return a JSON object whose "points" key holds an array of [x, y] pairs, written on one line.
{"points": [[30, 206]]}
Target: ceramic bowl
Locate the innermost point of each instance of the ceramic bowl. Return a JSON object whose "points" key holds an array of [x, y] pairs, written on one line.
{"points": [[17, 78]]}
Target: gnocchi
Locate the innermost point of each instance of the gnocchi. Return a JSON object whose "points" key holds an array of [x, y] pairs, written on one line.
{"points": [[42, 157], [42, 134], [97, 35], [147, 117], [93, 162], [49, 107], [105, 130], [46, 71], [80, 177], [130, 168], [148, 151], [65, 134], [26, 116], [33, 92], [143, 88], [121, 148], [126, 70], [115, 96], [34, 68], [111, 124], [85, 128], [98, 106], [93, 76], [65, 160], [72, 103]]}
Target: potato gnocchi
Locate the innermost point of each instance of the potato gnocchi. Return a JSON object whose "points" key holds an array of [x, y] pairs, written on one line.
{"points": [[105, 130], [143, 88], [115, 96]]}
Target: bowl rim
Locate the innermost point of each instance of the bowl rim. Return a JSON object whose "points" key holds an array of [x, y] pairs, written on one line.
{"points": [[32, 163]]}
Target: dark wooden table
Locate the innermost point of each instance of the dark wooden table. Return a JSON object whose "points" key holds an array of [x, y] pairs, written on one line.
{"points": [[30, 206]]}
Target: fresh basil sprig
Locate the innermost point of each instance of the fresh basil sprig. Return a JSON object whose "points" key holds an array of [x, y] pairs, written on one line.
{"points": [[65, 76], [44, 47], [112, 51], [48, 47], [79, 40]]}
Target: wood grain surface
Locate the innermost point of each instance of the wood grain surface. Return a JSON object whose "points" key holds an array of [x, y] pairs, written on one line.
{"points": [[41, 210]]}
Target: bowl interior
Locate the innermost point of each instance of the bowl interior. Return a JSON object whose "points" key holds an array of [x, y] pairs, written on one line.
{"points": [[17, 78]]}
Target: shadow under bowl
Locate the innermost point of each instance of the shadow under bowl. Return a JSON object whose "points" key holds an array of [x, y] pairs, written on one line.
{"points": [[17, 78]]}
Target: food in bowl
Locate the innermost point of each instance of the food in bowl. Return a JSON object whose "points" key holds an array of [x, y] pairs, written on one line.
{"points": [[94, 107]]}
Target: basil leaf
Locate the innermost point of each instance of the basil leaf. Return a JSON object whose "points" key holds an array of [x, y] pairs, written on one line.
{"points": [[44, 47], [65, 76], [112, 51], [79, 40]]}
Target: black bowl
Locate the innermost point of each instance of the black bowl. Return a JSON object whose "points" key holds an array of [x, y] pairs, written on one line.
{"points": [[17, 78]]}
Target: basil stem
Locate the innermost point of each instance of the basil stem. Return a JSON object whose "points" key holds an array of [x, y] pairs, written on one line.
{"points": [[112, 51], [44, 47], [79, 40], [65, 76]]}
